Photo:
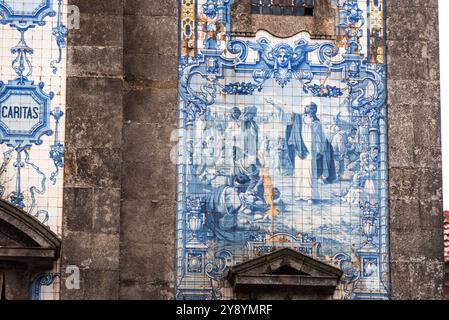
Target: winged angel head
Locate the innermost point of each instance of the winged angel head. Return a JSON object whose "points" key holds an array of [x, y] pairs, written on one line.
{"points": [[283, 62]]}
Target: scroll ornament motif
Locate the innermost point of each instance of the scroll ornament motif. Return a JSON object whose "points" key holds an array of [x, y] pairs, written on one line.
{"points": [[24, 16]]}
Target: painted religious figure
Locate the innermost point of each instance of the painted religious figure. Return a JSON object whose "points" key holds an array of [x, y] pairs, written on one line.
{"points": [[309, 151]]}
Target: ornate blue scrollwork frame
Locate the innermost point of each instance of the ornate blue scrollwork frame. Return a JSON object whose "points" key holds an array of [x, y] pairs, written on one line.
{"points": [[37, 113], [60, 34], [33, 135], [20, 133], [26, 19], [42, 280]]}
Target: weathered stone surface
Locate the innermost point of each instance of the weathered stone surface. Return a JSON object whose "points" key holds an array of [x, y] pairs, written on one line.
{"points": [[403, 213], [423, 26], [151, 105], [401, 136], [94, 285], [95, 61], [154, 218], [419, 91], [106, 211], [134, 290], [148, 180], [414, 278], [76, 251], [81, 200], [150, 67], [414, 151], [105, 251], [97, 257], [111, 36], [95, 120], [86, 99], [430, 215], [120, 186], [110, 7], [416, 243], [151, 35], [402, 283], [149, 271], [98, 167], [427, 124], [153, 8], [93, 151], [425, 279]]}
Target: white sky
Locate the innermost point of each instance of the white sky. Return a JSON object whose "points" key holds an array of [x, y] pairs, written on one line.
{"points": [[444, 55]]}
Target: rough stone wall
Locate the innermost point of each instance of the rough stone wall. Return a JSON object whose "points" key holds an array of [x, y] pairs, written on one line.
{"points": [[122, 97], [446, 254], [148, 211], [120, 188], [415, 167], [91, 214]]}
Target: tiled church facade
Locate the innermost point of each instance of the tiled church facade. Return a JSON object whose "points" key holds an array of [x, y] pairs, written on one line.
{"points": [[276, 146], [186, 148]]}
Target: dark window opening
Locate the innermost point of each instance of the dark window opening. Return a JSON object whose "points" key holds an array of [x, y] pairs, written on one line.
{"points": [[283, 7]]}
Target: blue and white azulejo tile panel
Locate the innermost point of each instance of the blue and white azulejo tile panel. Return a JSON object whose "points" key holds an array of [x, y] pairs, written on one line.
{"points": [[282, 142], [32, 114]]}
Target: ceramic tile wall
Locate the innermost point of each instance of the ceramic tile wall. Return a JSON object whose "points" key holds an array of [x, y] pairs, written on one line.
{"points": [[282, 143], [32, 97]]}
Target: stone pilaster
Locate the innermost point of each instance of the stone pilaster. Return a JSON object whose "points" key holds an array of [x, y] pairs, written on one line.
{"points": [[148, 211], [91, 226], [415, 169]]}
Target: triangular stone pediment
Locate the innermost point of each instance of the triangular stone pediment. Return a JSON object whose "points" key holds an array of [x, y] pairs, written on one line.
{"points": [[285, 267], [24, 238], [287, 270]]}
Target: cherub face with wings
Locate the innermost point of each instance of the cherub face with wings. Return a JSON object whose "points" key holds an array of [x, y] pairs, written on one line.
{"points": [[283, 60], [283, 54]]}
